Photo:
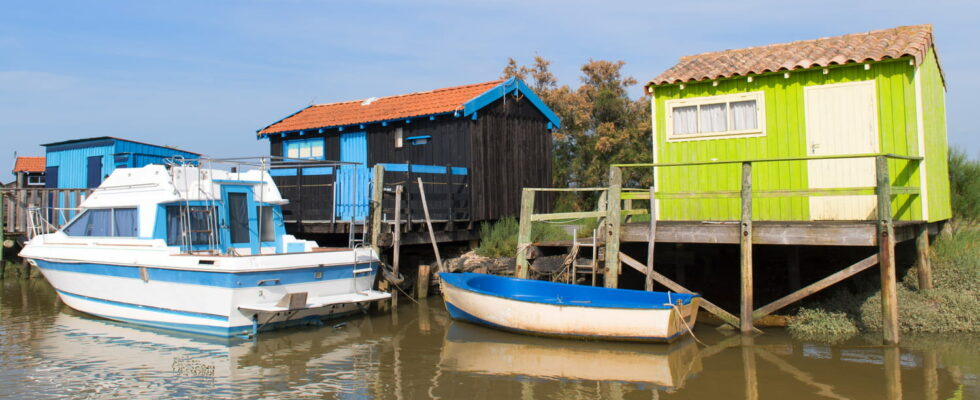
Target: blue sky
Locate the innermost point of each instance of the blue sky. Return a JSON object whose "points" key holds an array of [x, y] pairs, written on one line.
{"points": [[205, 75]]}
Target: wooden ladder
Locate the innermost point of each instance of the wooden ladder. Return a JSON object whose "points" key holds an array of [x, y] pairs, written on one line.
{"points": [[587, 268]]}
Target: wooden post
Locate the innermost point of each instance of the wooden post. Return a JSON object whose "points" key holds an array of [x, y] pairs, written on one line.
{"points": [[422, 283], [651, 241], [428, 222], [922, 265], [613, 204], [886, 254], [396, 242], [524, 233], [377, 195], [3, 229], [745, 240]]}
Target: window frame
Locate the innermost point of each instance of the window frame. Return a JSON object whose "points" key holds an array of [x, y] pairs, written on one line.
{"points": [[35, 179], [728, 99], [112, 223], [298, 142]]}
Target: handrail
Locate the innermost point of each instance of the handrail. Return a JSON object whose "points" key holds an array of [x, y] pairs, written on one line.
{"points": [[832, 157]]}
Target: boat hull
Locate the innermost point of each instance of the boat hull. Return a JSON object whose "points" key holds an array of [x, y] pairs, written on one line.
{"points": [[570, 321], [205, 302]]}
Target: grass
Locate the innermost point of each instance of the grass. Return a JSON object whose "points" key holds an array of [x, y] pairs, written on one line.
{"points": [[953, 305], [499, 239]]}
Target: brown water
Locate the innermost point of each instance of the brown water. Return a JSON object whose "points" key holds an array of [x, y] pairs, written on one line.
{"points": [[48, 350]]}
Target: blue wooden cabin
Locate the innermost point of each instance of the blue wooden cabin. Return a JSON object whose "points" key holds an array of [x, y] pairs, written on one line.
{"points": [[474, 147], [84, 163]]}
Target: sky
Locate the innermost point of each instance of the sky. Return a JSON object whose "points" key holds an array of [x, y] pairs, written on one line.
{"points": [[205, 75]]}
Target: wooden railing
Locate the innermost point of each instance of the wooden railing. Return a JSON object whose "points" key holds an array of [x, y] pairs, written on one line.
{"points": [[57, 206]]}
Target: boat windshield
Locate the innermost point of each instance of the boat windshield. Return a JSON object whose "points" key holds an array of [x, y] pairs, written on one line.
{"points": [[105, 222]]}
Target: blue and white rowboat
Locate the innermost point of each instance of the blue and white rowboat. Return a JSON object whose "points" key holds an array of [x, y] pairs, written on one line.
{"points": [[564, 310]]}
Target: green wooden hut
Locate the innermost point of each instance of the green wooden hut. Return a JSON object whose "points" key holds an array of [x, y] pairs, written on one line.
{"points": [[880, 92]]}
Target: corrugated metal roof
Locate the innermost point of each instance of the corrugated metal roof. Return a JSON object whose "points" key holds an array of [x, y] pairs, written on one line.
{"points": [[111, 138]]}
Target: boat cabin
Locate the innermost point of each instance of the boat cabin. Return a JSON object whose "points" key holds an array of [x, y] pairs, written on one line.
{"points": [[192, 209]]}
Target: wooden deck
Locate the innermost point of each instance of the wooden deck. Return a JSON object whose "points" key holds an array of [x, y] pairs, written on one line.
{"points": [[802, 233]]}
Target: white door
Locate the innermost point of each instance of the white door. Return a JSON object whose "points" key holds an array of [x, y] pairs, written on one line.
{"points": [[841, 119]]}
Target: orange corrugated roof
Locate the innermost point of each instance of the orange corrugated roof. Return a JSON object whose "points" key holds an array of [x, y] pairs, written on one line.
{"points": [[877, 45], [29, 164], [380, 109]]}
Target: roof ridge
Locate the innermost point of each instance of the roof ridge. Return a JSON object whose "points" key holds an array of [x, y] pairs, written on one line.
{"points": [[795, 42], [445, 89]]}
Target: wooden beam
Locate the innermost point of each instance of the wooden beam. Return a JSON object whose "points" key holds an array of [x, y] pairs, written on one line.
{"points": [[674, 286], [428, 222], [745, 242], [567, 215], [886, 255], [611, 279], [651, 241], [816, 287], [923, 267], [377, 194], [524, 233], [764, 232]]}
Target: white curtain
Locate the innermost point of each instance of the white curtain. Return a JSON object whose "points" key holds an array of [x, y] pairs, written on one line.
{"points": [[744, 115], [714, 117], [685, 120]]}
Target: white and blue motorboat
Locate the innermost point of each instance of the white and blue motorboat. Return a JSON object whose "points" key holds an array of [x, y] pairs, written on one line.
{"points": [[197, 249], [570, 311]]}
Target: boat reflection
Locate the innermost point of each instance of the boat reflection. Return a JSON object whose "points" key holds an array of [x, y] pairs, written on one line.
{"points": [[474, 349]]}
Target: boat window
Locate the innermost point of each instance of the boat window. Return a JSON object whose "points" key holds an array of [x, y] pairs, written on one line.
{"points": [[238, 217], [197, 217], [105, 222], [267, 227]]}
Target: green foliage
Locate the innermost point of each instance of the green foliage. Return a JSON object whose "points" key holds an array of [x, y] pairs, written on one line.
{"points": [[601, 125], [964, 181], [821, 325], [499, 239]]}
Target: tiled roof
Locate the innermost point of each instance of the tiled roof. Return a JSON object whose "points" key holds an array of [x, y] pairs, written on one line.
{"points": [[380, 109], [878, 45], [29, 164]]}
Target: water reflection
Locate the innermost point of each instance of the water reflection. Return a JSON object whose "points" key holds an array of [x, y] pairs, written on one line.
{"points": [[47, 349], [470, 348]]}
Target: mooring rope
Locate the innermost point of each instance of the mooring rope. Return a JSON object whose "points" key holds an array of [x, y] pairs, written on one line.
{"points": [[684, 320]]}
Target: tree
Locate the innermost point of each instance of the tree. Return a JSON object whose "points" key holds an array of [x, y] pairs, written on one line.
{"points": [[600, 125]]}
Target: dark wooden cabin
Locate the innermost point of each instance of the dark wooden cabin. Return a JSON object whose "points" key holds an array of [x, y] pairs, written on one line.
{"points": [[474, 147]]}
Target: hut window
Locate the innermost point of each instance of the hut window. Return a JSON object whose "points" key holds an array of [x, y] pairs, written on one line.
{"points": [[304, 148], [398, 138], [716, 116], [35, 180]]}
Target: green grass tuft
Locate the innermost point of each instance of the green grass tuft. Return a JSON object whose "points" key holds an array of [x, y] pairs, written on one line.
{"points": [[499, 239]]}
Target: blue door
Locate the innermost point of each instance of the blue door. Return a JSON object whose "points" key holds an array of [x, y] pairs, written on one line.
{"points": [[353, 193], [239, 222], [94, 171]]}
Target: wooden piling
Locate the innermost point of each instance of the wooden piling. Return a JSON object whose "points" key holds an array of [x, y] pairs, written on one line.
{"points": [[745, 241], [922, 265], [651, 241], [396, 242], [377, 206], [422, 283], [524, 233], [612, 227], [886, 254]]}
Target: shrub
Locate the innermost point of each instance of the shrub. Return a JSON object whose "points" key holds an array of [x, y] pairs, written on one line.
{"points": [[499, 239], [822, 325], [964, 182]]}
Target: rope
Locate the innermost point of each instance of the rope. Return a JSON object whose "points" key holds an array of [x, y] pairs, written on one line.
{"points": [[684, 320]]}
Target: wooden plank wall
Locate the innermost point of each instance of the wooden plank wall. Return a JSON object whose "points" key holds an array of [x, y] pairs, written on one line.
{"points": [[17, 201]]}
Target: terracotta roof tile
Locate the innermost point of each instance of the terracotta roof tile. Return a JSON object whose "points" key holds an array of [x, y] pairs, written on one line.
{"points": [[380, 109], [29, 164], [878, 45]]}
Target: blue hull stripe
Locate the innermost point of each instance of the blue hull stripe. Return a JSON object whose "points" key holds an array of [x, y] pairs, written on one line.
{"points": [[458, 314], [211, 278], [215, 317]]}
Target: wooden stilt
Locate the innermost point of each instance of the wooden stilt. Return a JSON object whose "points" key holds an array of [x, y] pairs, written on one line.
{"points": [[422, 283], [922, 265], [671, 285], [816, 287], [612, 227], [886, 254], [377, 194], [524, 233], [651, 241], [396, 241], [745, 240]]}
